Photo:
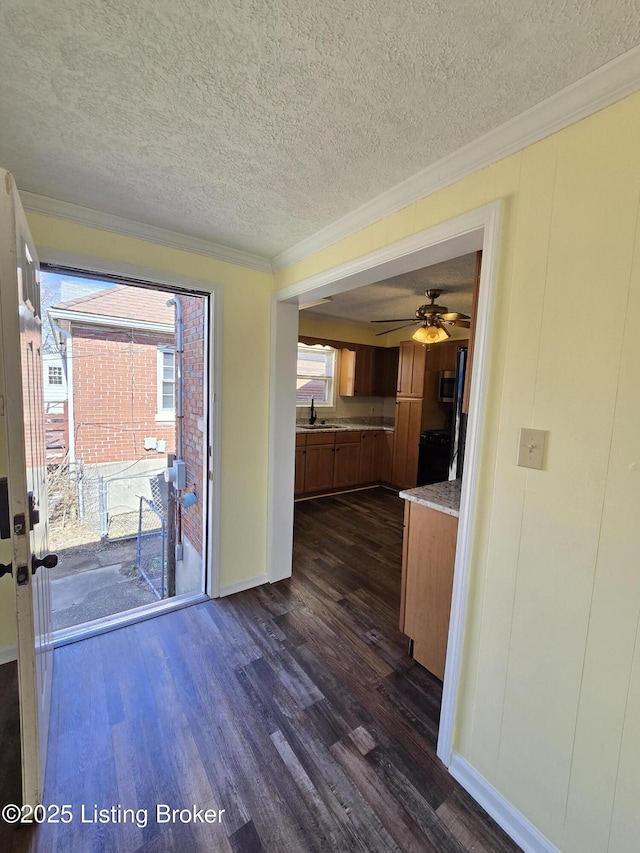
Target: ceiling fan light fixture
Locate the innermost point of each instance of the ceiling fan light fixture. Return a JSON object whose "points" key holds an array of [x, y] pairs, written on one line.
{"points": [[431, 334]]}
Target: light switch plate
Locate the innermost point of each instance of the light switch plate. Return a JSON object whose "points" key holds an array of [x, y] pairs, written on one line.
{"points": [[531, 448]]}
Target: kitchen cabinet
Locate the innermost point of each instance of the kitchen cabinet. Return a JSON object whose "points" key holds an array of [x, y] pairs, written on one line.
{"points": [[367, 371], [428, 557], [301, 450], [318, 465], [342, 459], [411, 368], [346, 465], [442, 356], [370, 456], [387, 371], [358, 372], [406, 441], [386, 457]]}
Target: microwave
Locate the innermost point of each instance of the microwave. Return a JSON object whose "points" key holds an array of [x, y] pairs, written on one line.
{"points": [[446, 386]]}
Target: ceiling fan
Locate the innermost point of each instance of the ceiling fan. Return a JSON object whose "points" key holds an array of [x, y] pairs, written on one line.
{"points": [[433, 320]]}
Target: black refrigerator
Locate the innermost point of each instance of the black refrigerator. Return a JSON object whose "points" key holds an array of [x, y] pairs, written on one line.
{"points": [[459, 419]]}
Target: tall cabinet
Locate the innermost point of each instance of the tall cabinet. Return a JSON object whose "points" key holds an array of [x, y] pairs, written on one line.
{"points": [[417, 405]]}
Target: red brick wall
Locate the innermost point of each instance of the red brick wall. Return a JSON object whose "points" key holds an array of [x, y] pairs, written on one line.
{"points": [[193, 313], [115, 395]]}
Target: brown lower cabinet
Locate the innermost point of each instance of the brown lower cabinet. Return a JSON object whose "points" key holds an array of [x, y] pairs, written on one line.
{"points": [[406, 442], [301, 452], [428, 556], [371, 451], [341, 460], [346, 462], [318, 465]]}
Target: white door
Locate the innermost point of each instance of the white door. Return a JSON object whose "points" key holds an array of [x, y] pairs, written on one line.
{"points": [[21, 344]]}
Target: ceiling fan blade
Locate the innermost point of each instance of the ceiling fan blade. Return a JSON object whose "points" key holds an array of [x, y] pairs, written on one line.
{"points": [[454, 315], [463, 324], [386, 331], [397, 320]]}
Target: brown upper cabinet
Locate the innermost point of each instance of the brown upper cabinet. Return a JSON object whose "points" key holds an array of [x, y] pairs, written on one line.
{"points": [[357, 372], [411, 368], [367, 371]]}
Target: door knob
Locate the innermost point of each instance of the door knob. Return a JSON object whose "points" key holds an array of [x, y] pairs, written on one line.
{"points": [[49, 561]]}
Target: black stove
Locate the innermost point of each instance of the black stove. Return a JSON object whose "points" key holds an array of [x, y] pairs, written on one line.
{"points": [[435, 437], [433, 456]]}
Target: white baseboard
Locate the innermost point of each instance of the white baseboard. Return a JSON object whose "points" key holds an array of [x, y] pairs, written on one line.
{"points": [[515, 824], [8, 653], [240, 586]]}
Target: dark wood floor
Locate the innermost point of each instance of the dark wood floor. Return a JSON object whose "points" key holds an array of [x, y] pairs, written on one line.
{"points": [[293, 707]]}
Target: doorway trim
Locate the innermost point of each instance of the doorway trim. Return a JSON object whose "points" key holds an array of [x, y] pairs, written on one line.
{"points": [[76, 264], [477, 229]]}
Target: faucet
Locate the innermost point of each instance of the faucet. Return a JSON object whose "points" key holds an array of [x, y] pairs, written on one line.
{"points": [[312, 416]]}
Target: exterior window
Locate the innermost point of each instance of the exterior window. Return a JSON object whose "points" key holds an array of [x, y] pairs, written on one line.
{"points": [[316, 368], [55, 375], [166, 382]]}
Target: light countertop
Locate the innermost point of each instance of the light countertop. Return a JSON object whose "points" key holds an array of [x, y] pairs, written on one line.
{"points": [[300, 428], [444, 497]]}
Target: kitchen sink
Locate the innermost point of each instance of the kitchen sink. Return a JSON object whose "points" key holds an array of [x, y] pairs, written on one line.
{"points": [[321, 426]]}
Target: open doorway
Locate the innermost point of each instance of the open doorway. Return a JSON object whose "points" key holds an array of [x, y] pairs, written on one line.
{"points": [[474, 231], [125, 379]]}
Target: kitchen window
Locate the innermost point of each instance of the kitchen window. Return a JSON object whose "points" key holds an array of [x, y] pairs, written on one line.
{"points": [[315, 375], [166, 384]]}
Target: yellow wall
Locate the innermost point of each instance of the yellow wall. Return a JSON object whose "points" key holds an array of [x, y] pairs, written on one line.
{"points": [[335, 331], [245, 376], [550, 707]]}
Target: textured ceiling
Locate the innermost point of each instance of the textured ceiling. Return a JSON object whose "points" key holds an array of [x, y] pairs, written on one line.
{"points": [[399, 297], [254, 123]]}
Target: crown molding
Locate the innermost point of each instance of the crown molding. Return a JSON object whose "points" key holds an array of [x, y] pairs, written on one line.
{"points": [[118, 225], [599, 89]]}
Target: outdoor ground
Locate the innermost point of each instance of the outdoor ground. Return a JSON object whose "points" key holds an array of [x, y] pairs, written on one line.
{"points": [[93, 580]]}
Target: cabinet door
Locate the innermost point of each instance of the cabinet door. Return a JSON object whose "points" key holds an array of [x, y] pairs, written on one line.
{"points": [[365, 371], [377, 437], [319, 467], [411, 367], [406, 438], [298, 488], [347, 464], [442, 356], [366, 457], [386, 457], [428, 559], [357, 371], [386, 372]]}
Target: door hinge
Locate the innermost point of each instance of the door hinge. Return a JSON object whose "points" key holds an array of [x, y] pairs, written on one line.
{"points": [[6, 569], [22, 575]]}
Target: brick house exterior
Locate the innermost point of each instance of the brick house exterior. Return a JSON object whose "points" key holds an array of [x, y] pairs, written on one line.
{"points": [[113, 343], [112, 350]]}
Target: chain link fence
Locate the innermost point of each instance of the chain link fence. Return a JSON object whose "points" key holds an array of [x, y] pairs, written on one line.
{"points": [[99, 503], [151, 552]]}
